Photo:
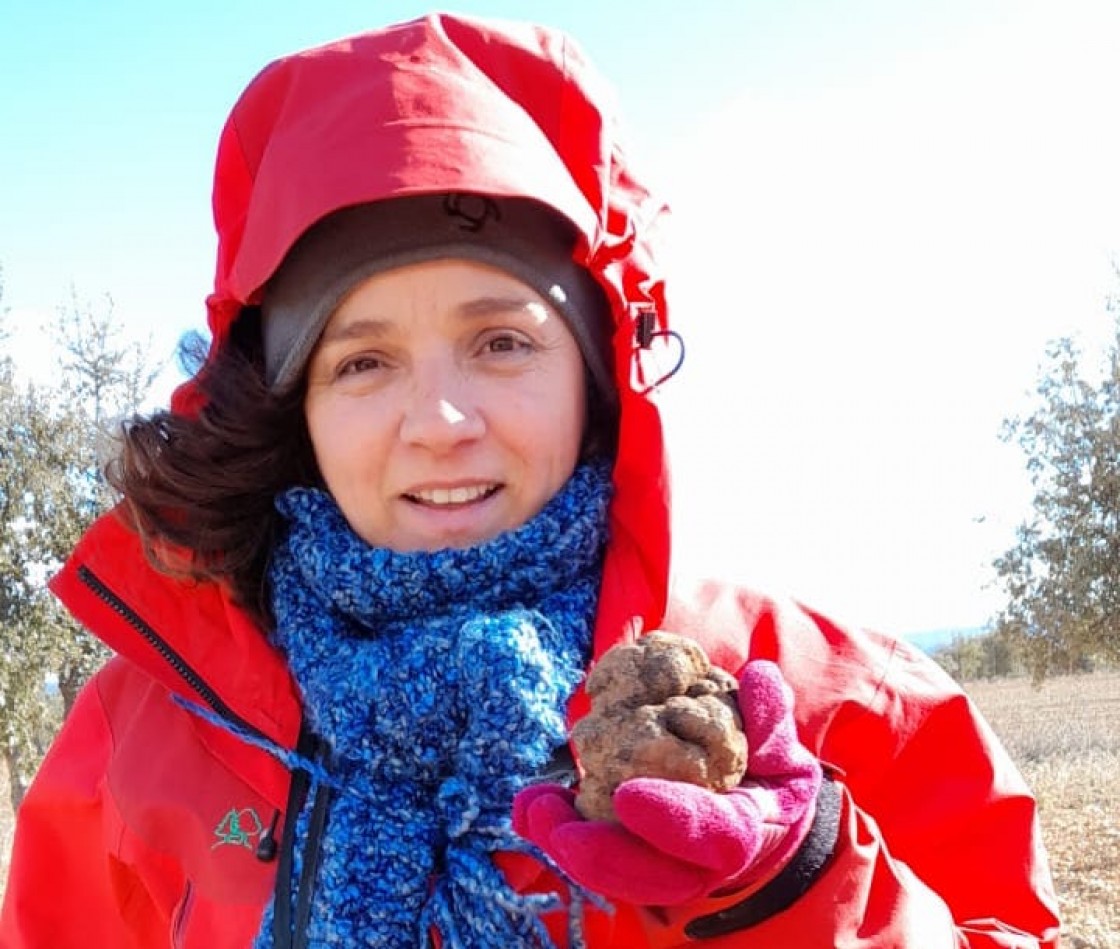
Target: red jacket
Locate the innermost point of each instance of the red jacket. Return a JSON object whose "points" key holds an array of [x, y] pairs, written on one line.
{"points": [[146, 825]]}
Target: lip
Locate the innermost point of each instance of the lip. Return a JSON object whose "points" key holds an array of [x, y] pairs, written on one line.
{"points": [[456, 524]]}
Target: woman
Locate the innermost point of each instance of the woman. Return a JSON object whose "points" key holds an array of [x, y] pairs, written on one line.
{"points": [[416, 489]]}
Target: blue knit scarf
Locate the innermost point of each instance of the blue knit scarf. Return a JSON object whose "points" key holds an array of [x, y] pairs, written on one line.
{"points": [[439, 682]]}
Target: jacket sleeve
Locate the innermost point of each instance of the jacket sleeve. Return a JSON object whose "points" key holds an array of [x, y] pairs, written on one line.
{"points": [[938, 843], [70, 885]]}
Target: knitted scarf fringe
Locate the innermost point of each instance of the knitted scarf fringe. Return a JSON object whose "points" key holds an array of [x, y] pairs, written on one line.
{"points": [[438, 912]]}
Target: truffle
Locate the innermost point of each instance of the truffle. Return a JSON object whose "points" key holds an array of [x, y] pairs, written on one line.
{"points": [[659, 708]]}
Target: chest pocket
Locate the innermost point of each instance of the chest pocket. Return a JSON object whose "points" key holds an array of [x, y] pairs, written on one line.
{"points": [[182, 802]]}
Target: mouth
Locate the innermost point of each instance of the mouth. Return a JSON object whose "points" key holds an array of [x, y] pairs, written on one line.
{"points": [[452, 497]]}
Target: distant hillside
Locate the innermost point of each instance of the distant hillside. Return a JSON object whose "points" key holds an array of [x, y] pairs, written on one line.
{"points": [[932, 640]]}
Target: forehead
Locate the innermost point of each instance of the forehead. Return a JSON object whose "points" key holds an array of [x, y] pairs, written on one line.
{"points": [[454, 287]]}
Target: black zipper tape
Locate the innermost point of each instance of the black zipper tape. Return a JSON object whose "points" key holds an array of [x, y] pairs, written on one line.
{"points": [[177, 662]]}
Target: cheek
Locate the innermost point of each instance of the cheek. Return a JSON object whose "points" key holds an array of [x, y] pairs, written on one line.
{"points": [[319, 432], [577, 419], [337, 437], [559, 429]]}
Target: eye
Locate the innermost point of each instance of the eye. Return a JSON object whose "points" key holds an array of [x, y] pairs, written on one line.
{"points": [[503, 342], [362, 362]]}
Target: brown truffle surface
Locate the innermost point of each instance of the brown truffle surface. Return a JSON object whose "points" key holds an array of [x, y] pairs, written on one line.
{"points": [[659, 708]]}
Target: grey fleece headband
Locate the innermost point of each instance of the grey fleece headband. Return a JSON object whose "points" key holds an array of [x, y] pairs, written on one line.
{"points": [[520, 236]]}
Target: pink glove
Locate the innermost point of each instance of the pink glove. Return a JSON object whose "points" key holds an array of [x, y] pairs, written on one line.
{"points": [[676, 842]]}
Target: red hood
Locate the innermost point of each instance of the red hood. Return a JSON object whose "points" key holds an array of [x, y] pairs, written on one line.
{"points": [[495, 107]]}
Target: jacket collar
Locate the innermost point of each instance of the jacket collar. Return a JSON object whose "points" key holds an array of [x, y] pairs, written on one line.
{"points": [[185, 634]]}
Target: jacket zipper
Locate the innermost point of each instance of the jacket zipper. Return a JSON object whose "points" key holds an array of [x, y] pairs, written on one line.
{"points": [[157, 642], [308, 743]]}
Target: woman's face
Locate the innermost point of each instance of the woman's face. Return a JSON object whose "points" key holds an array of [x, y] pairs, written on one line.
{"points": [[445, 403]]}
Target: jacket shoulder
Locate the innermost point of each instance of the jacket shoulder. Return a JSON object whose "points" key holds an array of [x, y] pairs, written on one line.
{"points": [[860, 695]]}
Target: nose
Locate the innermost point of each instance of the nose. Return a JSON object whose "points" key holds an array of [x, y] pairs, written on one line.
{"points": [[442, 411]]}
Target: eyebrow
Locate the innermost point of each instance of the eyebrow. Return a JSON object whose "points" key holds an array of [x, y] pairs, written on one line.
{"points": [[489, 305], [355, 329], [477, 308]]}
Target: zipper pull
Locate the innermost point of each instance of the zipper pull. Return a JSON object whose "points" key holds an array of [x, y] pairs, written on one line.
{"points": [[266, 846]]}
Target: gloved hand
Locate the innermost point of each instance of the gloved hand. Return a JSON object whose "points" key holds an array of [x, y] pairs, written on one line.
{"points": [[676, 842]]}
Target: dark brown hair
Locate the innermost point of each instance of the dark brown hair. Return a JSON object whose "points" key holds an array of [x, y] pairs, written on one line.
{"points": [[205, 484]]}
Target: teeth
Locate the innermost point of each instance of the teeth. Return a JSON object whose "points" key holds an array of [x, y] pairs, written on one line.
{"points": [[453, 495]]}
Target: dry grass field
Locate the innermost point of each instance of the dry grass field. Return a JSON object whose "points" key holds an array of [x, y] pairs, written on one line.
{"points": [[1066, 738]]}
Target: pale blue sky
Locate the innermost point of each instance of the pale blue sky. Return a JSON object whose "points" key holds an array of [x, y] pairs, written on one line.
{"points": [[110, 110], [885, 208]]}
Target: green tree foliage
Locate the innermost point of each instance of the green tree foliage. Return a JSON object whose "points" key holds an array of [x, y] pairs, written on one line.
{"points": [[53, 439], [35, 432], [1062, 576], [993, 655], [26, 486]]}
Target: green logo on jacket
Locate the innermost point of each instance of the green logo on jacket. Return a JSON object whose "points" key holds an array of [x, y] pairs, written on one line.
{"points": [[239, 828]]}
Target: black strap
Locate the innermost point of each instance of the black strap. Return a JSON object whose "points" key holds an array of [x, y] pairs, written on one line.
{"points": [[311, 854], [297, 794], [793, 881]]}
